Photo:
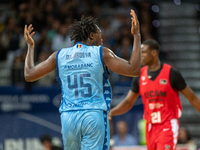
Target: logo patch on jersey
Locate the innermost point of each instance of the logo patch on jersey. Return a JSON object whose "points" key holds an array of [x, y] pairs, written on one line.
{"points": [[155, 106], [149, 76], [106, 92], [143, 78], [106, 85], [163, 81], [108, 98], [144, 83], [167, 147], [79, 46]]}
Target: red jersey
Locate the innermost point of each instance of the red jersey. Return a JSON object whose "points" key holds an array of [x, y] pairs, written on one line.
{"points": [[161, 102]]}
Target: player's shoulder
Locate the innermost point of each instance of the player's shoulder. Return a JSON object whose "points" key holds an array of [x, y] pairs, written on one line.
{"points": [[54, 54], [107, 53], [173, 71], [168, 66], [106, 49]]}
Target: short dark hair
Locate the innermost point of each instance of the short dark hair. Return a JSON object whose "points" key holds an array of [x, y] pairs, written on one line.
{"points": [[45, 138], [153, 44], [80, 30]]}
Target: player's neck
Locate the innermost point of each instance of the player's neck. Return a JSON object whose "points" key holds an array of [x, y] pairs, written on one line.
{"points": [[155, 66], [88, 42]]}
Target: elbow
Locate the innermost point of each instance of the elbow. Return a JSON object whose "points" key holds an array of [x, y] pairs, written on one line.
{"points": [[136, 72], [28, 78], [129, 105]]}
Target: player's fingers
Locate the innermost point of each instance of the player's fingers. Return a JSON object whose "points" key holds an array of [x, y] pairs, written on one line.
{"points": [[133, 21], [32, 34], [25, 30], [29, 27], [134, 16], [132, 12]]}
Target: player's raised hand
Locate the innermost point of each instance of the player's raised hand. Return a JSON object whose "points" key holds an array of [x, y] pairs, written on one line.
{"points": [[28, 35], [135, 26]]}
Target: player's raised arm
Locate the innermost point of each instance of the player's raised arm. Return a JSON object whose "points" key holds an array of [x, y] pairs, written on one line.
{"points": [[121, 66], [32, 72]]}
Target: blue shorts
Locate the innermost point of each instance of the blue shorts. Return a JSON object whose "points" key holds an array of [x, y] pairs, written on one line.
{"points": [[85, 130]]}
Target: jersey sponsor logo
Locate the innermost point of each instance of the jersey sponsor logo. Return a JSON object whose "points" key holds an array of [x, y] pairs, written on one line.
{"points": [[155, 105], [155, 100], [152, 94], [76, 66], [163, 81], [77, 104]]}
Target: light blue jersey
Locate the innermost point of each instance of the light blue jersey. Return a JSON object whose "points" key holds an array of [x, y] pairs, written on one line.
{"points": [[84, 78], [86, 97]]}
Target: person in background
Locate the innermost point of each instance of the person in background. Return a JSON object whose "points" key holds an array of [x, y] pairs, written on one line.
{"points": [[185, 138], [10, 40], [61, 38], [17, 71], [82, 71], [159, 85], [46, 141], [123, 138]]}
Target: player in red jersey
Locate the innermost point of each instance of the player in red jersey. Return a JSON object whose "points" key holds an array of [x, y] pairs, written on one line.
{"points": [[159, 85]]}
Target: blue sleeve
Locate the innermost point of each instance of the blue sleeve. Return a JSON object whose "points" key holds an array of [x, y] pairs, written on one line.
{"points": [[57, 69]]}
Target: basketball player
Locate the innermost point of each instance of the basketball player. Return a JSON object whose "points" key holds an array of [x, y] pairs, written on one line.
{"points": [[159, 85], [83, 75]]}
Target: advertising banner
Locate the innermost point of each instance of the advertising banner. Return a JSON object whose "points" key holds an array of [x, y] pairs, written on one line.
{"points": [[38, 99]]}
